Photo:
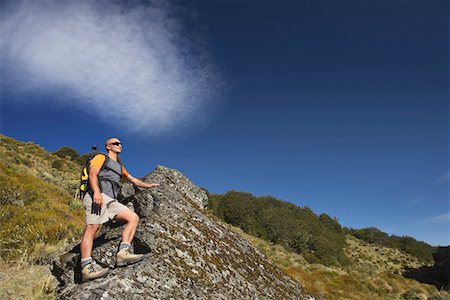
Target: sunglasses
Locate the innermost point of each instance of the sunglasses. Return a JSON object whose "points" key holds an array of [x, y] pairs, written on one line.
{"points": [[116, 143]]}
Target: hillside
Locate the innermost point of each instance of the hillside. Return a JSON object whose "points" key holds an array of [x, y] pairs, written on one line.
{"points": [[32, 159], [191, 252], [36, 198], [316, 251], [374, 272], [421, 250], [318, 238]]}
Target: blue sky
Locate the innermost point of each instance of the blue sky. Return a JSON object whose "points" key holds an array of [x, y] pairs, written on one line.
{"points": [[341, 106]]}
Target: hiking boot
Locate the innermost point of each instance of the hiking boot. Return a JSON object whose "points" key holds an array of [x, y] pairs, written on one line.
{"points": [[93, 271], [125, 258]]}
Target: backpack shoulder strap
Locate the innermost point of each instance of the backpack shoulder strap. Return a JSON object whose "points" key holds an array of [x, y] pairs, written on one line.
{"points": [[105, 164], [106, 159]]}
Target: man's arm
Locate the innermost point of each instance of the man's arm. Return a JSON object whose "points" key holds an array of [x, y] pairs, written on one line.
{"points": [[93, 182], [140, 183]]}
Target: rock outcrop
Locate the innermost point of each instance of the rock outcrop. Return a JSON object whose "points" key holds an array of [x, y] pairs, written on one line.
{"points": [[190, 254]]}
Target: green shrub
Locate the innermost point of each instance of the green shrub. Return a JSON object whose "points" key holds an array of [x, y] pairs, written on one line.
{"points": [[82, 160], [76, 204], [27, 162], [410, 295], [65, 151], [13, 191], [298, 229], [57, 164]]}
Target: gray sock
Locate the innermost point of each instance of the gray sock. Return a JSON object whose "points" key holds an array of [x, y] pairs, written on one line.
{"points": [[124, 245], [85, 262]]}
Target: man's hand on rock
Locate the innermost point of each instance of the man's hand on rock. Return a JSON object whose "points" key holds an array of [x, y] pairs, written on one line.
{"points": [[149, 185]]}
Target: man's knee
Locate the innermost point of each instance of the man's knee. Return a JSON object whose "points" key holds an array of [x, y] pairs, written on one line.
{"points": [[135, 218], [128, 216], [92, 228]]}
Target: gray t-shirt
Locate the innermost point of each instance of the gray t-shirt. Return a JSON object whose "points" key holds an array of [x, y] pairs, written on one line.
{"points": [[109, 177]]}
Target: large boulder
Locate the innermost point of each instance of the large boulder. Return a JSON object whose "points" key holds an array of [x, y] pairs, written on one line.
{"points": [[189, 253]]}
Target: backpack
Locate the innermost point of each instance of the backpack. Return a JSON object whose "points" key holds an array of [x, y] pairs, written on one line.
{"points": [[84, 176]]}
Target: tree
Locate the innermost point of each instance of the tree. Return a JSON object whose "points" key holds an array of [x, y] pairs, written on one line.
{"points": [[67, 151], [330, 223], [83, 159], [298, 229]]}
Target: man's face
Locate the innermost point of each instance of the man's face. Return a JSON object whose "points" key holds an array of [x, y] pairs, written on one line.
{"points": [[114, 145]]}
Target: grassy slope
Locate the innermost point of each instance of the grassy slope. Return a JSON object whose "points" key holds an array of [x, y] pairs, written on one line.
{"points": [[25, 280], [38, 216], [30, 158]]}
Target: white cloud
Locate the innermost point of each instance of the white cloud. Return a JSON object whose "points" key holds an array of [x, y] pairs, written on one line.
{"points": [[438, 219], [128, 61]]}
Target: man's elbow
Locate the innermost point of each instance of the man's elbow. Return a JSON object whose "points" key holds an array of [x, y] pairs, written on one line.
{"points": [[132, 180]]}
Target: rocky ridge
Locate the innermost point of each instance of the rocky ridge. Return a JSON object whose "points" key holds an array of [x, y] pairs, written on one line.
{"points": [[190, 254]]}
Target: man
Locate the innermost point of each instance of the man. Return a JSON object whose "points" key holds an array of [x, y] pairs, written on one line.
{"points": [[101, 205]]}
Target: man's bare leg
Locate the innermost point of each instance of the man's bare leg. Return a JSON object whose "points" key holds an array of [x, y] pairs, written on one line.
{"points": [[87, 240], [124, 257], [132, 220]]}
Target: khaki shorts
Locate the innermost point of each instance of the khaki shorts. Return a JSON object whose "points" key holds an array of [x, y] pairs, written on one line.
{"points": [[110, 208]]}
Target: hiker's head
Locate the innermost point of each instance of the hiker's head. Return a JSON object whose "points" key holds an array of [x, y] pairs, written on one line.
{"points": [[113, 144]]}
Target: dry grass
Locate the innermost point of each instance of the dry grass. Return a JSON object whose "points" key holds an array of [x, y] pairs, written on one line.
{"points": [[38, 215], [33, 210], [374, 259], [374, 272], [25, 280], [43, 216], [32, 159]]}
